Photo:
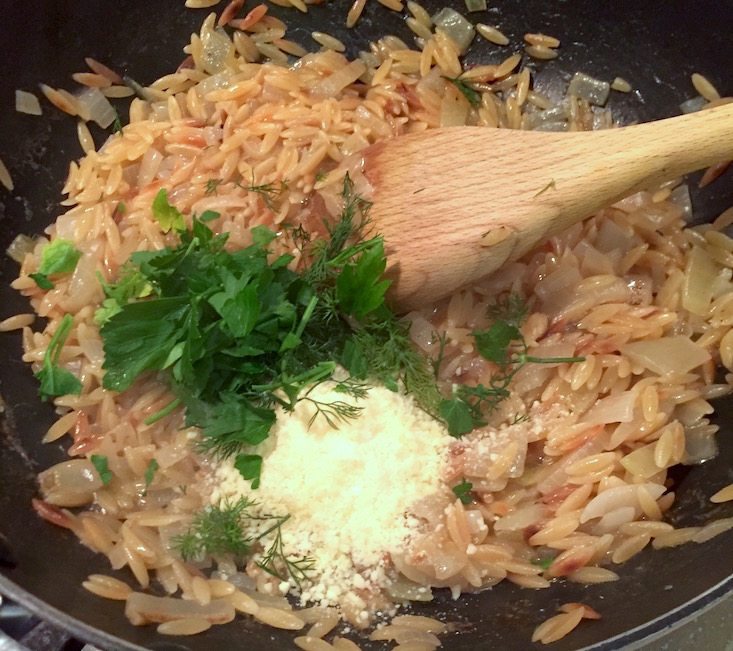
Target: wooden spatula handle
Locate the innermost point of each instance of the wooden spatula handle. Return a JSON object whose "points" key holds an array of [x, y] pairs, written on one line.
{"points": [[455, 204]]}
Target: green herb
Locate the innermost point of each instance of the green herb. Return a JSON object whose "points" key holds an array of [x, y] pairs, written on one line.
{"points": [[469, 92], [42, 281], [117, 124], [463, 491], [321, 176], [150, 472], [543, 562], [57, 381], [132, 285], [457, 415], [437, 361], [278, 564], [220, 530], [239, 333], [58, 257], [217, 530], [212, 185], [162, 413], [209, 216], [165, 214], [337, 410], [268, 191], [250, 467], [503, 344], [101, 464]]}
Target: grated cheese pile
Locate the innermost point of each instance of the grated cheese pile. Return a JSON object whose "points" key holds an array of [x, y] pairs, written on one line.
{"points": [[348, 490]]}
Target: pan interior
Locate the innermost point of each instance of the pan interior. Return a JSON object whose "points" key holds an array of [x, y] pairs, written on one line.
{"points": [[654, 45]]}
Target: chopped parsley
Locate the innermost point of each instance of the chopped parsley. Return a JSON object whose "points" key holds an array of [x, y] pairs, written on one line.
{"points": [[473, 97], [101, 464], [250, 467], [57, 381], [463, 491], [117, 124], [268, 191], [162, 413], [503, 344], [543, 562], [165, 214], [58, 257], [238, 334], [132, 285]]}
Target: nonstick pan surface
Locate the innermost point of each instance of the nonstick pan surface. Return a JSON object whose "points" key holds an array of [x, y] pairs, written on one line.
{"points": [[655, 45]]}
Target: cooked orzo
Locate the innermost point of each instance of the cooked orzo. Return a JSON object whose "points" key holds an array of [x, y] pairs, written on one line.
{"points": [[252, 428]]}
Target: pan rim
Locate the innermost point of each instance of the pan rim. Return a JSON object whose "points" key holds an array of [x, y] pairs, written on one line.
{"points": [[644, 633]]}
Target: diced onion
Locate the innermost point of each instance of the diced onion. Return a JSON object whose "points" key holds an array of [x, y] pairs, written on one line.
{"points": [[27, 103], [692, 105], [700, 446], [455, 26], [216, 47], [555, 115], [699, 283], [553, 127], [334, 84], [97, 107], [681, 197], [678, 354], [476, 5], [612, 237], [453, 108], [590, 89], [70, 484], [214, 82], [403, 590], [21, 246], [640, 462], [618, 408]]}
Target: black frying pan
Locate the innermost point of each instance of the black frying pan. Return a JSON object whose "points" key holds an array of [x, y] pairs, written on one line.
{"points": [[654, 44]]}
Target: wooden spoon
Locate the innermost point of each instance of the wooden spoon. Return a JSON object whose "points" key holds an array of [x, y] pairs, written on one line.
{"points": [[454, 204]]}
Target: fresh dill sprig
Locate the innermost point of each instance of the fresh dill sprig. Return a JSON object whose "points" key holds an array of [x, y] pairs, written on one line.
{"points": [[268, 191], [437, 361], [335, 412], [212, 185], [385, 353], [217, 530], [353, 388], [220, 530], [277, 563]]}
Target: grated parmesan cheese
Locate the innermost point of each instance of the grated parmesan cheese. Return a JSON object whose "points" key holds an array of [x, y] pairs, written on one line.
{"points": [[348, 490]]}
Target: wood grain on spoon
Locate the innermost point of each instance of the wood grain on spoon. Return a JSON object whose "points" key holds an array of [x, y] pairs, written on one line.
{"points": [[455, 204]]}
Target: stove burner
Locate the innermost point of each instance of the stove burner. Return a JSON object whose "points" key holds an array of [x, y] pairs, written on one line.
{"points": [[22, 631]]}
